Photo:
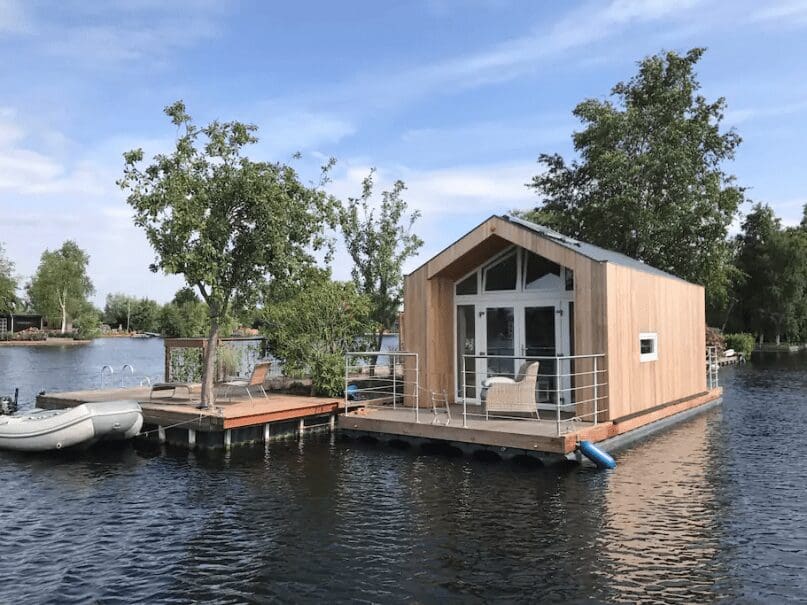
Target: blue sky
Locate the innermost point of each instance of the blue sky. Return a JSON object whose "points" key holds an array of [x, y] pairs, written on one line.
{"points": [[457, 98]]}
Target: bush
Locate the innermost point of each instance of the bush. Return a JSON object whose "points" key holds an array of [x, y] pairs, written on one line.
{"points": [[87, 326], [743, 343]]}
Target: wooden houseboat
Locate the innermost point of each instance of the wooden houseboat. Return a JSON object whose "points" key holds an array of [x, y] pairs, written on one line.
{"points": [[605, 345]]}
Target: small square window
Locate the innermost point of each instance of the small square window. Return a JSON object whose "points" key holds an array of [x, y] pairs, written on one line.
{"points": [[648, 346]]}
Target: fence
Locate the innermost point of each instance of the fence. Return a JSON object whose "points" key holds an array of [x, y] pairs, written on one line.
{"points": [[382, 379]]}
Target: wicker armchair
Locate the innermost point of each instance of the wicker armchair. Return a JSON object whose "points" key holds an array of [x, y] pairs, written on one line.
{"points": [[505, 395]]}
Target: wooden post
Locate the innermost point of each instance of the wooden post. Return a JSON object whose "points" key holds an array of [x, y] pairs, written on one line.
{"points": [[167, 360]]}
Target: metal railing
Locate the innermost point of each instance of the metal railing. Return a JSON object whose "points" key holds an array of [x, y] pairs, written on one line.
{"points": [[382, 378], [572, 388], [712, 368]]}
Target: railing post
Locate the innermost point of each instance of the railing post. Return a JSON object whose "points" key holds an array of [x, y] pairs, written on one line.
{"points": [[596, 380], [557, 392], [394, 385], [464, 390], [347, 358], [417, 388]]}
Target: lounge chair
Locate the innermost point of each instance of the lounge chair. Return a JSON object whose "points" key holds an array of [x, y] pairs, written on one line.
{"points": [[257, 378], [508, 395], [170, 386]]}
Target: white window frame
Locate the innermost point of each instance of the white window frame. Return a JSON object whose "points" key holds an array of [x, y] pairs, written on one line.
{"points": [[653, 355]]}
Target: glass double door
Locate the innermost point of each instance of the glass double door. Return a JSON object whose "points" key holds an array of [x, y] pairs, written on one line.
{"points": [[502, 338]]}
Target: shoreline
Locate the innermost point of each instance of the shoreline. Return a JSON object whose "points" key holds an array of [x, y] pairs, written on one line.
{"points": [[50, 342]]}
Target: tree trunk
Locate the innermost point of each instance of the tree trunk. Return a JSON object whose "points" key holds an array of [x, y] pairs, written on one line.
{"points": [[64, 319], [209, 364]]}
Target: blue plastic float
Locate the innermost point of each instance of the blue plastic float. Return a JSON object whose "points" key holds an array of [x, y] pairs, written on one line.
{"points": [[596, 455]]}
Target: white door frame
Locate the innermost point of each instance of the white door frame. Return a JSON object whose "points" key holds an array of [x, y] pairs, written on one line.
{"points": [[518, 301]]}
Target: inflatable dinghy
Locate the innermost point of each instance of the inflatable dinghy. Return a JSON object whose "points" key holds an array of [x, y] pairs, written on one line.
{"points": [[42, 431]]}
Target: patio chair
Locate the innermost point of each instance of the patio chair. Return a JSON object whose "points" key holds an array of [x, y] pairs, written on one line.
{"points": [[508, 395], [169, 386], [256, 379], [440, 404]]}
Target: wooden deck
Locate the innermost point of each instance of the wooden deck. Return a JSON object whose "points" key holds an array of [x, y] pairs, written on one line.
{"points": [[227, 414], [537, 436]]}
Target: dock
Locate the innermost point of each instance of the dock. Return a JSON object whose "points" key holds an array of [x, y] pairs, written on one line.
{"points": [[178, 420], [537, 439]]}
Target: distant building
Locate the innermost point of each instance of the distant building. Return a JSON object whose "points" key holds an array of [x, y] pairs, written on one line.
{"points": [[11, 322]]}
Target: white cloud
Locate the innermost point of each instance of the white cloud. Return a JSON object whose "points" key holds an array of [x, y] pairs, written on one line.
{"points": [[737, 116], [514, 57], [451, 200], [13, 18], [792, 12]]}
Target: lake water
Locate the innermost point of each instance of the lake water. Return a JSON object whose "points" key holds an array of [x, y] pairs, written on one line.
{"points": [[713, 509]]}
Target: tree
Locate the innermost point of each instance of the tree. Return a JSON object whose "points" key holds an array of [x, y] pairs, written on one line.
{"points": [[773, 261], [60, 287], [311, 330], [8, 284], [649, 181], [118, 309], [379, 240], [224, 222]]}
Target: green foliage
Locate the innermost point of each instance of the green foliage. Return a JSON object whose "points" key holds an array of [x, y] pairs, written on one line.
{"points": [[379, 239], [184, 320], [224, 222], [311, 330], [87, 325], [649, 180], [741, 343], [60, 286], [186, 365], [138, 314], [772, 295], [8, 284]]}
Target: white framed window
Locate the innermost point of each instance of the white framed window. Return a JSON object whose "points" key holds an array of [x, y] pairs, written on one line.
{"points": [[648, 346]]}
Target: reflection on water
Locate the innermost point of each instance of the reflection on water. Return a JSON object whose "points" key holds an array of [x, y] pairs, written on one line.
{"points": [[712, 509]]}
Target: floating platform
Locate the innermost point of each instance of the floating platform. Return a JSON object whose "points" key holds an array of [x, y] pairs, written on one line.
{"points": [[179, 421], [515, 438]]}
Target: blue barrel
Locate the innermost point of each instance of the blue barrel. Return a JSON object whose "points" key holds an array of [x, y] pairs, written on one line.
{"points": [[352, 390], [596, 455]]}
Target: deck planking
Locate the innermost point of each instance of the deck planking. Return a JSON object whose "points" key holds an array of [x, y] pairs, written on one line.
{"points": [[234, 413]]}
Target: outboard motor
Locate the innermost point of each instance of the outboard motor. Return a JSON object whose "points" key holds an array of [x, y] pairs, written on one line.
{"points": [[9, 405]]}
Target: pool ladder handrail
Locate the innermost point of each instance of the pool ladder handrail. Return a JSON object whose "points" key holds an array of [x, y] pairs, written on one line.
{"points": [[123, 370], [111, 372]]}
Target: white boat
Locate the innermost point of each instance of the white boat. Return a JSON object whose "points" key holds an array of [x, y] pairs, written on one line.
{"points": [[84, 424]]}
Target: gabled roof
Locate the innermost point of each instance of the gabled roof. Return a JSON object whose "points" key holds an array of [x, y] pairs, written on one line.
{"points": [[590, 251]]}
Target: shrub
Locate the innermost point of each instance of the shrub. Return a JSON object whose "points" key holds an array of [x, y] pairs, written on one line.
{"points": [[742, 343]]}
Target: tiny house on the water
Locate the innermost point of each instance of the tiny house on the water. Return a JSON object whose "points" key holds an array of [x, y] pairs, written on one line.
{"points": [[617, 343]]}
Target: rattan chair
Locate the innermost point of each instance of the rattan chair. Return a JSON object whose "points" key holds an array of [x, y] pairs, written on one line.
{"points": [[514, 395]]}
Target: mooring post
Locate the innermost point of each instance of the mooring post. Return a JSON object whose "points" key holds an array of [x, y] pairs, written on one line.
{"points": [[332, 422], [228, 439], [301, 427], [191, 438], [161, 434], [267, 432]]}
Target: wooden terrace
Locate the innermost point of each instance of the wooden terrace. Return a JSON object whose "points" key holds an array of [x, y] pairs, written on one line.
{"points": [[179, 420]]}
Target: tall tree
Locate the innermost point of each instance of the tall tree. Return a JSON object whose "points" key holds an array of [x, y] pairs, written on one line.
{"points": [[649, 181], [60, 287], [773, 261], [379, 239], [8, 284], [223, 221]]}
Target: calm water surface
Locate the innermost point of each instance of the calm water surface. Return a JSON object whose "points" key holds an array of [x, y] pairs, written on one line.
{"points": [[714, 509]]}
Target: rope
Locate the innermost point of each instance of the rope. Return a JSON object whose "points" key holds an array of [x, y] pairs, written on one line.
{"points": [[170, 426]]}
